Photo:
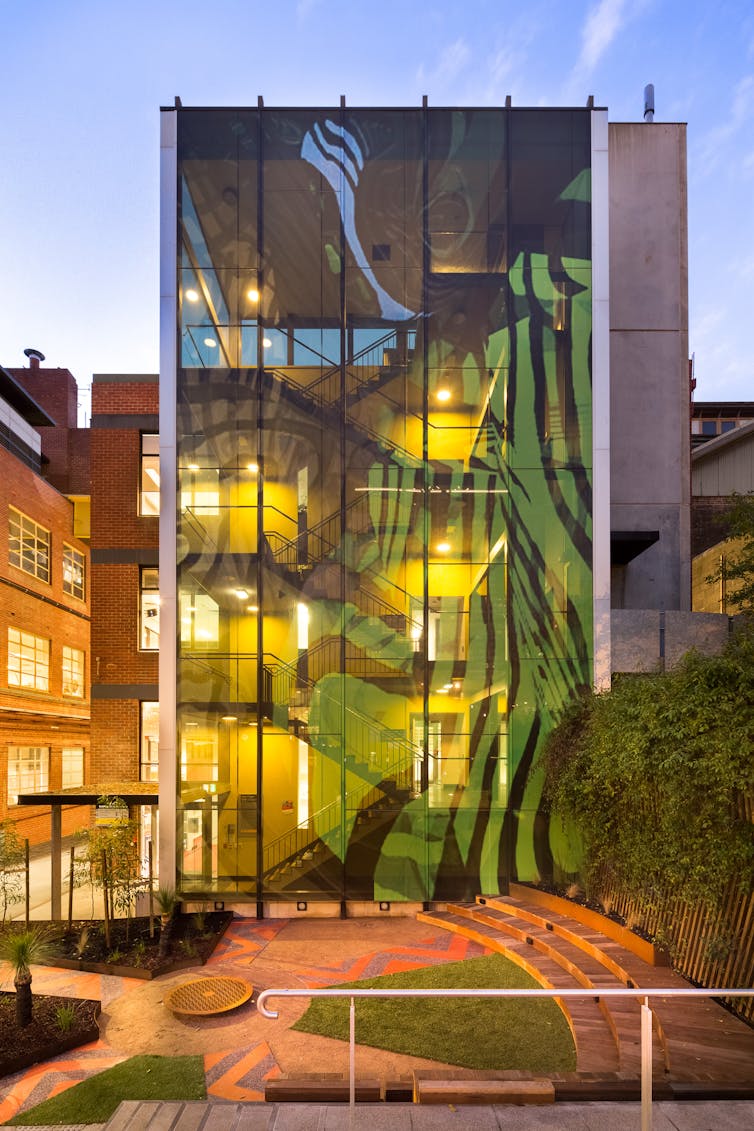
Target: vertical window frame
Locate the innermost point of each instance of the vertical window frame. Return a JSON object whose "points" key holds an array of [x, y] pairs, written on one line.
{"points": [[70, 777], [29, 545], [33, 777], [32, 671], [149, 609], [74, 572], [73, 673], [149, 475]]}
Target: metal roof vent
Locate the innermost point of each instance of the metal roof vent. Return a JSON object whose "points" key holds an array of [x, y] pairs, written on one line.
{"points": [[34, 356], [649, 102]]}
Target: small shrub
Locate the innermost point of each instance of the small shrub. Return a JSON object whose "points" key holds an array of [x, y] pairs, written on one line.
{"points": [[114, 957], [200, 919], [574, 891], [65, 1015], [138, 952], [188, 948]]}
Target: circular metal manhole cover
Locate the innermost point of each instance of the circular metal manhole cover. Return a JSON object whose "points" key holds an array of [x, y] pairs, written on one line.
{"points": [[206, 996]]}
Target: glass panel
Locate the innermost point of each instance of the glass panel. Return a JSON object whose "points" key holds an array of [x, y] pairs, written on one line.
{"points": [[384, 493]]}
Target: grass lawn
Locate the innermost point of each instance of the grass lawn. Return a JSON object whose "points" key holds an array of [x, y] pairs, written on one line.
{"points": [[139, 1078], [522, 1034]]}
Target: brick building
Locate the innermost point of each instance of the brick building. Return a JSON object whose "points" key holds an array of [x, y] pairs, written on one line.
{"points": [[124, 547], [44, 607]]}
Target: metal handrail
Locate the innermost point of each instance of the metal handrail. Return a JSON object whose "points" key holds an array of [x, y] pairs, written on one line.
{"points": [[620, 992]]}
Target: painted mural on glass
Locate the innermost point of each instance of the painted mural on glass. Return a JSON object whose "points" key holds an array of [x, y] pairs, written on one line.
{"points": [[385, 567]]}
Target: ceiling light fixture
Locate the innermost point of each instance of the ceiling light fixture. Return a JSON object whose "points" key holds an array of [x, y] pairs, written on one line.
{"points": [[252, 294], [442, 547], [192, 295], [266, 342], [252, 467], [242, 594], [210, 343], [443, 394]]}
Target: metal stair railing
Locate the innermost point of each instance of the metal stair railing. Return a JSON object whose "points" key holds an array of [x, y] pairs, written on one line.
{"points": [[643, 995]]}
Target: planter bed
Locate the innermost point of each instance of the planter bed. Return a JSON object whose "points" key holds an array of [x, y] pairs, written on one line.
{"points": [[642, 948], [42, 1039], [139, 957]]}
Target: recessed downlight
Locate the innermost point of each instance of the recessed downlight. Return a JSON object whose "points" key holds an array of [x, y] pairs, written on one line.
{"points": [[443, 395], [443, 547], [252, 294], [191, 295]]}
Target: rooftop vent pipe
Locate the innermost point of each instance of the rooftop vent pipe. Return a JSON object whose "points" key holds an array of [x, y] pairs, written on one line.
{"points": [[649, 102], [34, 356]]}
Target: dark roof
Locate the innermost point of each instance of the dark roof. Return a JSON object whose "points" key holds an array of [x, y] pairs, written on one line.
{"points": [[18, 398], [722, 408], [132, 792]]}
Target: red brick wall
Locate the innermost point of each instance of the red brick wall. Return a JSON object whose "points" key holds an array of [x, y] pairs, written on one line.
{"points": [[117, 525], [115, 740], [56, 391]]}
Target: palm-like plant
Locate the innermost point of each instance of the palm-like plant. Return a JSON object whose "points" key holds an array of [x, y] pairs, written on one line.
{"points": [[23, 949]]}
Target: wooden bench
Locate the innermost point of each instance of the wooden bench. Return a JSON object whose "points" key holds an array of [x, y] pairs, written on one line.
{"points": [[483, 1091]]}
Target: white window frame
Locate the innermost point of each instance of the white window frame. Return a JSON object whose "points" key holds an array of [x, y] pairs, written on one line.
{"points": [[28, 545], [28, 660], [149, 753], [28, 771], [149, 471], [72, 767], [74, 572], [73, 672], [149, 610]]}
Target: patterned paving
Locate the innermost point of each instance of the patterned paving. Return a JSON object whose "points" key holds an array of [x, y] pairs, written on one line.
{"points": [[236, 1073]]}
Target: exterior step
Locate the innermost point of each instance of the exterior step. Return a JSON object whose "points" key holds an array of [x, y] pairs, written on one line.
{"points": [[595, 1039]]}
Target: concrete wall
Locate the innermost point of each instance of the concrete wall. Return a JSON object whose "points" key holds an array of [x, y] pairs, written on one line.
{"points": [[646, 640], [650, 474]]}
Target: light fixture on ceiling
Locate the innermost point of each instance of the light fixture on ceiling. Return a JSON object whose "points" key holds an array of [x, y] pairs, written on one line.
{"points": [[229, 718], [443, 547], [252, 608], [443, 395], [242, 594], [266, 342], [210, 343], [192, 295], [193, 467], [252, 294], [252, 467]]}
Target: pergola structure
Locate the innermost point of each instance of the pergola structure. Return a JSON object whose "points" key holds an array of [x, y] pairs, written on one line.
{"points": [[130, 793]]}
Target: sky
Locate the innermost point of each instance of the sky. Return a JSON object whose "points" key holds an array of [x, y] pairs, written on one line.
{"points": [[83, 81]]}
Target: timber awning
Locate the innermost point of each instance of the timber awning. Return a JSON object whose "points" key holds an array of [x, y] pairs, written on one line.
{"points": [[131, 792]]}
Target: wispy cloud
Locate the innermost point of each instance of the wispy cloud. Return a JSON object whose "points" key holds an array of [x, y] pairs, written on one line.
{"points": [[304, 7], [453, 59], [600, 28], [713, 143]]}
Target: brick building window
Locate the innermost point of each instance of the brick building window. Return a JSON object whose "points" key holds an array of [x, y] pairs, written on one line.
{"points": [[150, 733], [28, 660], [28, 545], [149, 495], [72, 767], [74, 572], [149, 609], [28, 770], [73, 672]]}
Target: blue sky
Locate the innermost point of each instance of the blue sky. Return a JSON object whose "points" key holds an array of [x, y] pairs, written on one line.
{"points": [[83, 81]]}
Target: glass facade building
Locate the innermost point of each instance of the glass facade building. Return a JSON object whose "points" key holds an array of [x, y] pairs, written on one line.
{"points": [[376, 419]]}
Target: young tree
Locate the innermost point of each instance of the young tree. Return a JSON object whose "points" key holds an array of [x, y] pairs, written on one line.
{"points": [[114, 863], [737, 568], [11, 866], [21, 949]]}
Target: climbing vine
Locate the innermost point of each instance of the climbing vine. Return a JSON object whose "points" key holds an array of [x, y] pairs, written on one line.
{"points": [[656, 773]]}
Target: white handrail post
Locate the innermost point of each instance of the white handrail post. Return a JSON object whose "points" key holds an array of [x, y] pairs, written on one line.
{"points": [[646, 1066], [351, 1063]]}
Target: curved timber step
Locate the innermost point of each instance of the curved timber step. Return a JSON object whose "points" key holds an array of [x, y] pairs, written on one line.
{"points": [[595, 1039], [555, 962]]}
